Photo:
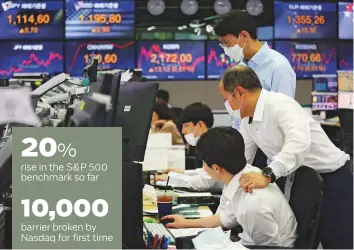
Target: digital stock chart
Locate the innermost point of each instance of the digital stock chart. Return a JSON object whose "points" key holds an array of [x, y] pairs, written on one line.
{"points": [[106, 19], [22, 19], [309, 58], [110, 54], [32, 57], [171, 60]]}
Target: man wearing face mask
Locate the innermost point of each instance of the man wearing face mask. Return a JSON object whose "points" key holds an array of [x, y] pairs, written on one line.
{"points": [[280, 127], [196, 118], [237, 34]]}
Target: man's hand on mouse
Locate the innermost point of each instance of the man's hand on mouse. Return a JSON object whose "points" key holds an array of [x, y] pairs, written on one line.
{"points": [[178, 221]]}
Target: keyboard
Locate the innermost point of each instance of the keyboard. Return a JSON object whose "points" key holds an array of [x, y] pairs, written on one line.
{"points": [[159, 229]]}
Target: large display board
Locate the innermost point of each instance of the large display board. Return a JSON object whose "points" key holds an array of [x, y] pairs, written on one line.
{"points": [[308, 58], [93, 19], [110, 54], [31, 57], [22, 19], [171, 60], [305, 20]]}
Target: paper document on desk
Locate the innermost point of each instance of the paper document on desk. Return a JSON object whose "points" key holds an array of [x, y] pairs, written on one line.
{"points": [[184, 232], [193, 194], [215, 238]]}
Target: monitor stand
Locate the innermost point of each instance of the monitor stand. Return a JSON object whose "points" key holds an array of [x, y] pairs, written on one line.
{"points": [[132, 205]]}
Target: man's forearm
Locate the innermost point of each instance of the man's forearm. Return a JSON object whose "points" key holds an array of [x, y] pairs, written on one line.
{"points": [[207, 222]]}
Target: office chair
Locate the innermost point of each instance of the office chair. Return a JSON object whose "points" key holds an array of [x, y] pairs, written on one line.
{"points": [[306, 203], [346, 122]]}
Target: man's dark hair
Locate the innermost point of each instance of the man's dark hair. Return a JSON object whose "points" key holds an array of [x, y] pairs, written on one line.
{"points": [[196, 112], [163, 111], [241, 76], [223, 146], [163, 95], [233, 22]]}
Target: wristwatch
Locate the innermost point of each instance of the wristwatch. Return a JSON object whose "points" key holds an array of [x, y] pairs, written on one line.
{"points": [[268, 172]]}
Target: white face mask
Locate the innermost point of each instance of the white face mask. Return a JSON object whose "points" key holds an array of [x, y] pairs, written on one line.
{"points": [[235, 53], [234, 113], [191, 140]]}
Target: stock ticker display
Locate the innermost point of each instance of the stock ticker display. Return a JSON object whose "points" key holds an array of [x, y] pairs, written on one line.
{"points": [[110, 54], [345, 56], [93, 19], [171, 60], [217, 61], [305, 20], [309, 58], [31, 57], [23, 19], [345, 20]]}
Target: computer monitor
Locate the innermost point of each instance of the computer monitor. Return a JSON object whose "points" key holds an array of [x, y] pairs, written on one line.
{"points": [[5, 168], [115, 87], [325, 83], [324, 101], [136, 100]]}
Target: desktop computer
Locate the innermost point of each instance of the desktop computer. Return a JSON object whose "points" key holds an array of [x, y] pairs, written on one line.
{"points": [[135, 102]]}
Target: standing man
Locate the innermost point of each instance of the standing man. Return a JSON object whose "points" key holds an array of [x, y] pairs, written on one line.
{"points": [[280, 127], [237, 34]]}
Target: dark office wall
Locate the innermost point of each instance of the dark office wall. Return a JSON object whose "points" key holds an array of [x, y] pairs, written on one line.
{"points": [[183, 93]]}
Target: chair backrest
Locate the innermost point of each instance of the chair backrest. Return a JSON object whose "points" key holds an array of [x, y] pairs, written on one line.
{"points": [[346, 120], [306, 203]]}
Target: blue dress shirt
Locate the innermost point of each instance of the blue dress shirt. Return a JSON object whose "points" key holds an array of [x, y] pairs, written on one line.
{"points": [[274, 72]]}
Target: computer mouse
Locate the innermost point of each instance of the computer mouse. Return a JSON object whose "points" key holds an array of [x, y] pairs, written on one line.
{"points": [[167, 221]]}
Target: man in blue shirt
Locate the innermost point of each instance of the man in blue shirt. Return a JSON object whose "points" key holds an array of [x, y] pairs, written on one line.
{"points": [[238, 37]]}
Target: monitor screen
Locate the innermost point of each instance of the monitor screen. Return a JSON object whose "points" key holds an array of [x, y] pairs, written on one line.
{"points": [[345, 56], [171, 60], [93, 19], [345, 20], [305, 20], [31, 57], [110, 54], [311, 58], [217, 61], [324, 101], [325, 83], [23, 19], [345, 100]]}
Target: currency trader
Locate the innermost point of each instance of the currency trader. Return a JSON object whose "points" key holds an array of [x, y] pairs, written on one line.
{"points": [[280, 127], [237, 34], [265, 215], [196, 119]]}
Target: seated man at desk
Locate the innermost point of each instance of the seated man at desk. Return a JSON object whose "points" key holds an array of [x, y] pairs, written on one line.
{"points": [[265, 215], [196, 118]]}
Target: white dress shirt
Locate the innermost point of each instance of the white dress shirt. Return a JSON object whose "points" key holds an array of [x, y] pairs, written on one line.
{"points": [[283, 130], [197, 179], [265, 215]]}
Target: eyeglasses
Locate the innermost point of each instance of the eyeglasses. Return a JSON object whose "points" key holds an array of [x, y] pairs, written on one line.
{"points": [[224, 45], [232, 94]]}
